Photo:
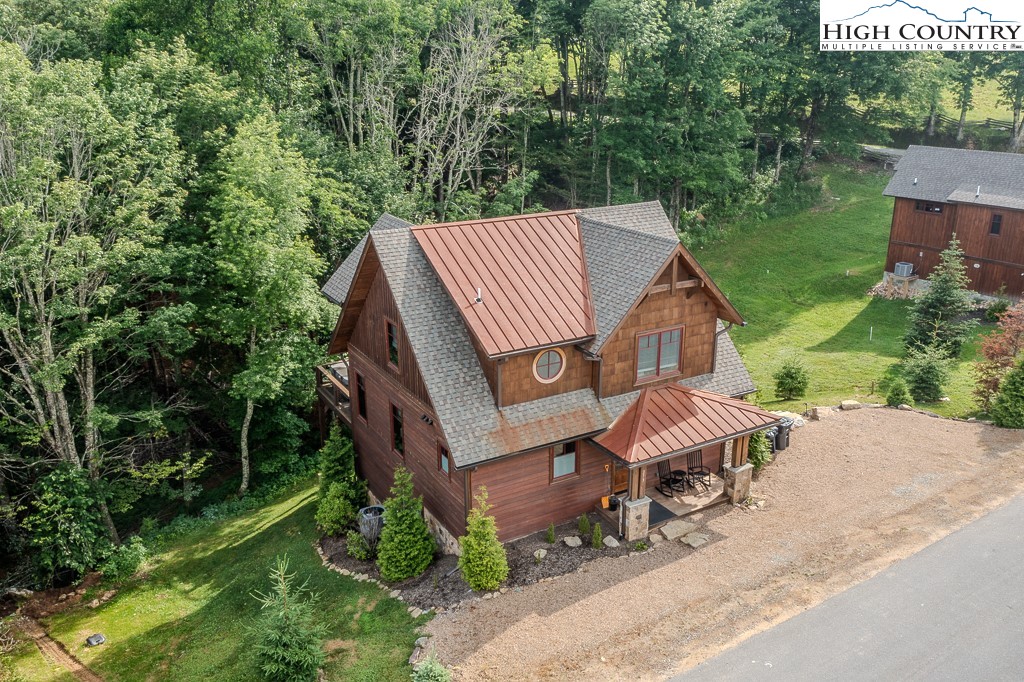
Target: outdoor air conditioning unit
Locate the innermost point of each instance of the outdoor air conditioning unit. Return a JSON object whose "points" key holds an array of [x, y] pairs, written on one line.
{"points": [[903, 269]]}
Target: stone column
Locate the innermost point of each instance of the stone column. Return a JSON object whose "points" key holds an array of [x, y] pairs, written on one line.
{"points": [[638, 519], [737, 482]]}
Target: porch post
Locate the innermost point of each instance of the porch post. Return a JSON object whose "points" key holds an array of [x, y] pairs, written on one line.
{"points": [[739, 476], [637, 509]]}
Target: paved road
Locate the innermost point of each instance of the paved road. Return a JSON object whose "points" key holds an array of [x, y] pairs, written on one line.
{"points": [[954, 611]]}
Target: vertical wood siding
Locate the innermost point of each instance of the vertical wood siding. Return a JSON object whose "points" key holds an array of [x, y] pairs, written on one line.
{"points": [[919, 238], [370, 338], [442, 496], [524, 498]]}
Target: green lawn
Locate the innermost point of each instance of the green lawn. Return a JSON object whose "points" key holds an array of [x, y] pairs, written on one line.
{"points": [[986, 103], [188, 618], [800, 281]]}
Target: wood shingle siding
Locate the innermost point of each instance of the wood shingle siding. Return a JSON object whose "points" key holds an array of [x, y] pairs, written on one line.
{"points": [[518, 384], [698, 316]]}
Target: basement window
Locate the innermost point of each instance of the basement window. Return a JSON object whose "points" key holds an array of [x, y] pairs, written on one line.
{"points": [[997, 225]]}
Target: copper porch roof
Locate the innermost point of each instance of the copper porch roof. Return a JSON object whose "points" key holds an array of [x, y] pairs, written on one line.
{"points": [[672, 419], [531, 274]]}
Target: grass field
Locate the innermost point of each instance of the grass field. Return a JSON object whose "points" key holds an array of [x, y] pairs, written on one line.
{"points": [[189, 617], [801, 281], [986, 103]]}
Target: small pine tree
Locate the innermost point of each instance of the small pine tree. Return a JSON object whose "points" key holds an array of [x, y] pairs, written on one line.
{"points": [[338, 465], [759, 452], [551, 537], [584, 526], [289, 641], [483, 562], [1008, 407], [406, 547], [597, 539], [898, 394], [926, 370], [938, 317], [791, 381], [335, 513]]}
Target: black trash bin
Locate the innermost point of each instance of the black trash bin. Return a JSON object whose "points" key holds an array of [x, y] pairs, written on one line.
{"points": [[770, 435], [782, 437]]}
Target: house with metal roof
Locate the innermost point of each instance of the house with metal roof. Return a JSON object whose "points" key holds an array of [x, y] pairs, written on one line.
{"points": [[977, 196], [568, 361]]}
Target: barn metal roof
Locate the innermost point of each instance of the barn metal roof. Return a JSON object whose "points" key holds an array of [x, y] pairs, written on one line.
{"points": [[954, 175], [529, 272], [672, 419]]}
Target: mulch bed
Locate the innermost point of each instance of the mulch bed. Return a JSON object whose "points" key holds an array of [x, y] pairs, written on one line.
{"points": [[441, 586]]}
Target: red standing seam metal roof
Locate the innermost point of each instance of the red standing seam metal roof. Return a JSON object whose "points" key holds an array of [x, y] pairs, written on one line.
{"points": [[671, 419], [531, 273]]}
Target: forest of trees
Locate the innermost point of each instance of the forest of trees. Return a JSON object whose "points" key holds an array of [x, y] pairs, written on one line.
{"points": [[177, 179]]}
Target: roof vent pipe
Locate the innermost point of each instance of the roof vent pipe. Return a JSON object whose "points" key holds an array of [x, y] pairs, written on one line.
{"points": [[915, 181], [479, 296], [978, 194]]}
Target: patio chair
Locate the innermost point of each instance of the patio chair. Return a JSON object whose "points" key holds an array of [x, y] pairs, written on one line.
{"points": [[670, 480], [696, 472]]}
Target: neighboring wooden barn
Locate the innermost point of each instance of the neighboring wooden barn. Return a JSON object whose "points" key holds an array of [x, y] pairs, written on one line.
{"points": [[979, 196]]}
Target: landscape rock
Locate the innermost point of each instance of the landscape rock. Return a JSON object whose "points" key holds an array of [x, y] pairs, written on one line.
{"points": [[850, 405], [572, 541], [611, 542], [395, 594], [677, 529], [819, 413], [540, 554], [415, 612], [695, 540], [421, 642], [655, 538], [798, 419], [94, 604], [906, 408]]}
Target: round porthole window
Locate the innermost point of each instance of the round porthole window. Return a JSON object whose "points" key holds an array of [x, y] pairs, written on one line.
{"points": [[549, 365]]}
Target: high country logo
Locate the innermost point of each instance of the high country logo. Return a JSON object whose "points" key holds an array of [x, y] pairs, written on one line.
{"points": [[913, 25]]}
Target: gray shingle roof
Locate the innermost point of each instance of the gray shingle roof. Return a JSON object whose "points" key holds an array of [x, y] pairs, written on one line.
{"points": [[647, 217], [474, 428], [621, 262], [730, 377], [336, 288], [952, 175]]}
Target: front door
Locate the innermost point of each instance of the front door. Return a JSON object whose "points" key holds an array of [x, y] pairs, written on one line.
{"points": [[620, 479]]}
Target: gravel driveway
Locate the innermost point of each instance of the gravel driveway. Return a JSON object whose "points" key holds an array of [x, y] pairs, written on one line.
{"points": [[853, 494]]}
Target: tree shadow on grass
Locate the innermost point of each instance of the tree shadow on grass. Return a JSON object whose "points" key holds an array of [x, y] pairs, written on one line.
{"points": [[878, 330], [216, 571]]}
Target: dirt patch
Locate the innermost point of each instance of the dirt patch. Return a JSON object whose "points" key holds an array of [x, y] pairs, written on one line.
{"points": [[852, 495], [58, 599], [441, 586], [54, 651]]}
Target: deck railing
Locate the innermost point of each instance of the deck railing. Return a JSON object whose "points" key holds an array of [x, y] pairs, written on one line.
{"points": [[332, 387]]}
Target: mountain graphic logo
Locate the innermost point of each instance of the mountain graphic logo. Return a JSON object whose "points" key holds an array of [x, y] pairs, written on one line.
{"points": [[949, 13]]}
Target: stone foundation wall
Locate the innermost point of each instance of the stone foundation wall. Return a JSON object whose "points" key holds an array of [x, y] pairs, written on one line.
{"points": [[449, 543]]}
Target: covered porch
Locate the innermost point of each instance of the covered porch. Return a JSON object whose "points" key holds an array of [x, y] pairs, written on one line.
{"points": [[677, 451]]}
